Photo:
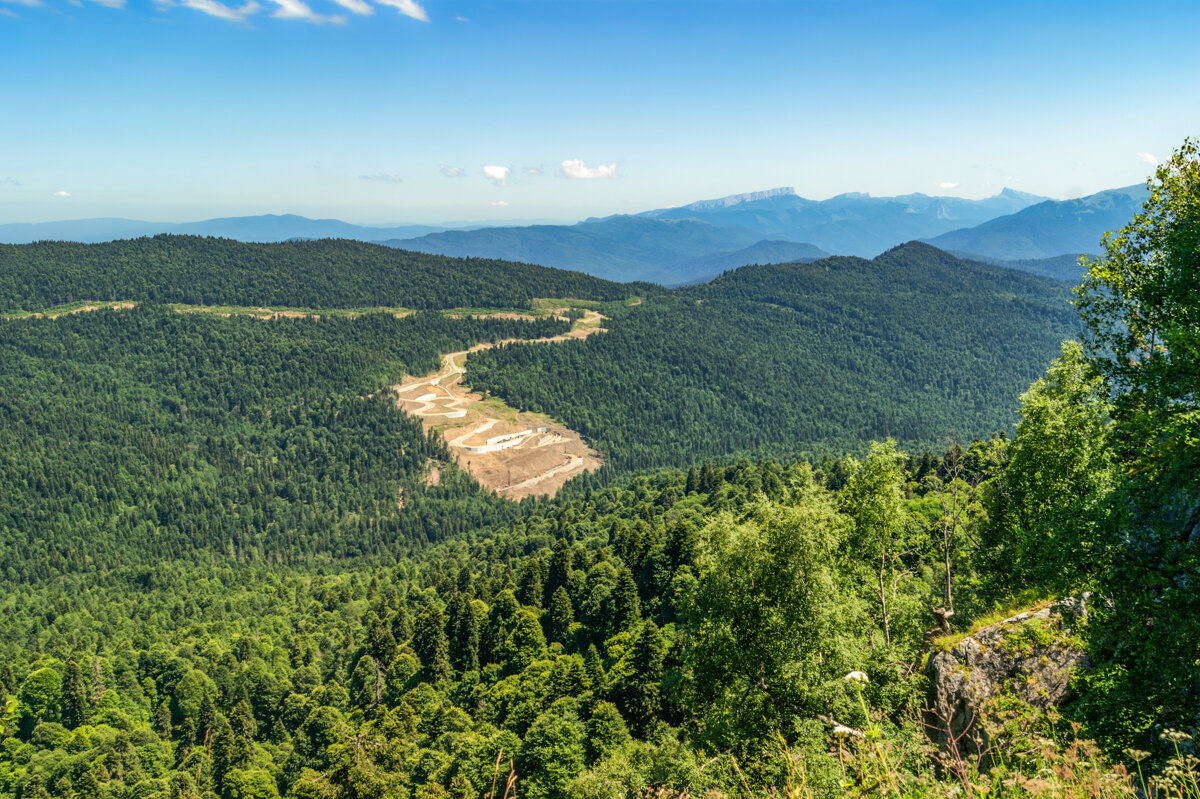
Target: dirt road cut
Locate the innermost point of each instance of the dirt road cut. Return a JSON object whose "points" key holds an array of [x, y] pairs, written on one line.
{"points": [[516, 453]]}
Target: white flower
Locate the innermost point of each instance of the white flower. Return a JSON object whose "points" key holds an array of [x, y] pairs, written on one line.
{"points": [[856, 676]]}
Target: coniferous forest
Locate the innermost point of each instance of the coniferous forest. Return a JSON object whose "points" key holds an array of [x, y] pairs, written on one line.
{"points": [[228, 573]]}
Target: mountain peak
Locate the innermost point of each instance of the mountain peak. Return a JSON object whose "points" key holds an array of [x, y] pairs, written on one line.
{"points": [[738, 199]]}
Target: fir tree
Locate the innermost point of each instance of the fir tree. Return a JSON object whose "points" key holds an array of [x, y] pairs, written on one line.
{"points": [[74, 697], [430, 643], [626, 606], [561, 615], [642, 695], [464, 634]]}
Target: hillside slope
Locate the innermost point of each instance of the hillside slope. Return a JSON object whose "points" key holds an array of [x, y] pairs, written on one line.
{"points": [[824, 356]]}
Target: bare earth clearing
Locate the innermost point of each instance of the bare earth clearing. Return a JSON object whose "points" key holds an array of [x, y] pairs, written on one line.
{"points": [[516, 453]]}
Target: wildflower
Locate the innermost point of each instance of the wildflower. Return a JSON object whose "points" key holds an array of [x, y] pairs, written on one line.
{"points": [[1136, 755], [1175, 736], [857, 677]]}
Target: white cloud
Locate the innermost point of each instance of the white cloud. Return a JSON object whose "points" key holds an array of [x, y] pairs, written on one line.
{"points": [[453, 171], [533, 171], [500, 204], [409, 8], [110, 3], [496, 174], [62, 194], [1146, 158], [10, 181], [576, 169], [222, 11], [297, 9], [948, 184], [30, 3], [356, 6], [5, 12], [460, 18], [382, 178]]}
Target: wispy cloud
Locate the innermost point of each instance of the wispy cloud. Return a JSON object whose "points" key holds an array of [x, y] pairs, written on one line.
{"points": [[533, 171], [30, 3], [948, 184], [356, 6], [409, 8], [7, 13], [110, 3], [452, 171], [297, 9], [1146, 158], [10, 181], [500, 204], [62, 194], [382, 178], [496, 174], [460, 18], [576, 169], [222, 11]]}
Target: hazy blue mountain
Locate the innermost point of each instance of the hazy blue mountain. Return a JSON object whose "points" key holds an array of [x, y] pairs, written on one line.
{"points": [[764, 252], [1050, 228], [849, 224], [679, 245], [622, 248], [265, 228]]}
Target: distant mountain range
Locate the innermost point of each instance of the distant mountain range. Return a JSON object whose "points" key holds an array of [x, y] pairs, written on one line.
{"points": [[690, 243], [673, 246], [849, 224], [1050, 228]]}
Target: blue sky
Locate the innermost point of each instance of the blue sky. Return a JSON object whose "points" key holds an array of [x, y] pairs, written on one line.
{"points": [[396, 111]]}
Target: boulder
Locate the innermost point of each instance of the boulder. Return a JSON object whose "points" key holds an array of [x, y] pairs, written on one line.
{"points": [[1026, 660]]}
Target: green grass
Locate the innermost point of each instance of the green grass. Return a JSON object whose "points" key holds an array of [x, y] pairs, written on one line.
{"points": [[1028, 601]]}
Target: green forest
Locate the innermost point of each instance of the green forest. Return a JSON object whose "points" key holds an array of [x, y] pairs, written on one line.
{"points": [[815, 359], [227, 572]]}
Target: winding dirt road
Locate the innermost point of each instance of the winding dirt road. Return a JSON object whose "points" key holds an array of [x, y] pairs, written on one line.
{"points": [[516, 453]]}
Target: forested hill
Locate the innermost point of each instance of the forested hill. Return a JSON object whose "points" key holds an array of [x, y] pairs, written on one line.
{"points": [[801, 358], [310, 274]]}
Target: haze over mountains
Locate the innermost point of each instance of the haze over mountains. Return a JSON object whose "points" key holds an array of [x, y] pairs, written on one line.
{"points": [[1050, 228], [686, 244]]}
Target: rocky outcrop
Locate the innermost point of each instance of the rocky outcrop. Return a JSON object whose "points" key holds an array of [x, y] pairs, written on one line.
{"points": [[1026, 661]]}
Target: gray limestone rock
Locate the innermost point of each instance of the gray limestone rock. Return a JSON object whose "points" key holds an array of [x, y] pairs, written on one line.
{"points": [[1030, 657]]}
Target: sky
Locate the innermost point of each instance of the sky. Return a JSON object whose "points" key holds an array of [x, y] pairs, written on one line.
{"points": [[436, 111]]}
